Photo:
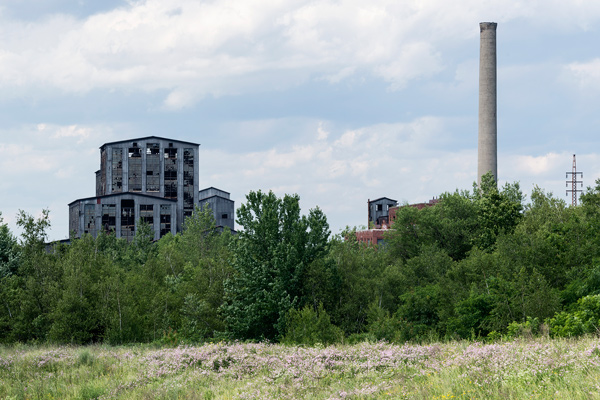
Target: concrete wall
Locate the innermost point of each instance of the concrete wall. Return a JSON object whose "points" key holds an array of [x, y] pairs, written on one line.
{"points": [[223, 208], [378, 210], [164, 145], [77, 213], [487, 142]]}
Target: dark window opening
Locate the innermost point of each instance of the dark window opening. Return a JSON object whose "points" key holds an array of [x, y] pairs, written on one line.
{"points": [[152, 167], [135, 169], [135, 152], [109, 217], [224, 216], [379, 207], [171, 190], [127, 219], [152, 149], [117, 170], [165, 220], [147, 214], [171, 152], [171, 173], [188, 181], [89, 221]]}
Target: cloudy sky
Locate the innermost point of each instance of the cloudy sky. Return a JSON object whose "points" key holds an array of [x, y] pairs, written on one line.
{"points": [[336, 100]]}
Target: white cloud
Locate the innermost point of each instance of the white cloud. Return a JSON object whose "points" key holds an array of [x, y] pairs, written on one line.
{"points": [[537, 165], [322, 134], [45, 167], [585, 74], [341, 171], [414, 61], [191, 49]]}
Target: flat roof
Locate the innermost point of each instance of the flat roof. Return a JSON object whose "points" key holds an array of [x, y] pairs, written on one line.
{"points": [[149, 137], [123, 194]]}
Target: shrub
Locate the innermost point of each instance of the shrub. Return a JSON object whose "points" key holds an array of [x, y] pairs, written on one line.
{"points": [[528, 329], [585, 318], [310, 327], [381, 326]]}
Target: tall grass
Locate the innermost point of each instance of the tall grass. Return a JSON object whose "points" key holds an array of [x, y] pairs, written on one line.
{"points": [[538, 369]]}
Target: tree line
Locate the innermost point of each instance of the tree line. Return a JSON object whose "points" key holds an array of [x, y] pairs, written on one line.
{"points": [[479, 264]]}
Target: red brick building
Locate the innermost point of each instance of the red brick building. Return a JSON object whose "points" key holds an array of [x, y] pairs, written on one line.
{"points": [[382, 214]]}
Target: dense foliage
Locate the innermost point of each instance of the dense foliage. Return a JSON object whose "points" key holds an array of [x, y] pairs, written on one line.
{"points": [[481, 263]]}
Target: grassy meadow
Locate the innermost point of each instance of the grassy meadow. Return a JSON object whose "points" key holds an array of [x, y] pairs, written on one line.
{"points": [[535, 369]]}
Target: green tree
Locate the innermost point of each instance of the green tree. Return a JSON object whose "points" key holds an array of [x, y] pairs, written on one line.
{"points": [[9, 265], [37, 280], [207, 257], [309, 326], [450, 225], [498, 211], [76, 314], [356, 280], [270, 259], [9, 251]]}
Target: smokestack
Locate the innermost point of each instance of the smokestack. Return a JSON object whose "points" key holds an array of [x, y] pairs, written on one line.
{"points": [[487, 158]]}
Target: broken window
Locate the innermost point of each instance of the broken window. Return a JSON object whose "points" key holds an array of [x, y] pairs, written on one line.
{"points": [[117, 170], [135, 169], [127, 219], [147, 214], [101, 190], [188, 182], [109, 217], [74, 218], [165, 220], [89, 219], [171, 173], [152, 167]]}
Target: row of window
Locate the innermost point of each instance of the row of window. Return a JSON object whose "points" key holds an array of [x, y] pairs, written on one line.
{"points": [[128, 218], [152, 172]]}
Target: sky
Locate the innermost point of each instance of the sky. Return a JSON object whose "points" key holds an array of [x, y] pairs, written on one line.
{"points": [[339, 101]]}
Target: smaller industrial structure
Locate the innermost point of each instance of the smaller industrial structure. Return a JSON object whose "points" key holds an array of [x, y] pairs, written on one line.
{"points": [[220, 204], [382, 214], [149, 179]]}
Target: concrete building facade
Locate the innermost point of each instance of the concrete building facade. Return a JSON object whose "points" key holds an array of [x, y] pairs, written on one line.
{"points": [[150, 179], [222, 206], [379, 210]]}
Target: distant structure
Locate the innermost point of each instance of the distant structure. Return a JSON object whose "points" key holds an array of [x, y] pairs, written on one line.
{"points": [[220, 204], [379, 211], [574, 183], [487, 143], [152, 179], [382, 214]]}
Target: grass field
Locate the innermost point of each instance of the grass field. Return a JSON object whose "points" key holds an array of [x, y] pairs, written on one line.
{"points": [[539, 369]]}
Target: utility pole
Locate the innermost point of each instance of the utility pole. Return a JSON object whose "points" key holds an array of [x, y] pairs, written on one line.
{"points": [[574, 183]]}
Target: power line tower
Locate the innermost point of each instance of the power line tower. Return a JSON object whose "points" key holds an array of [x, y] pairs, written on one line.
{"points": [[574, 183]]}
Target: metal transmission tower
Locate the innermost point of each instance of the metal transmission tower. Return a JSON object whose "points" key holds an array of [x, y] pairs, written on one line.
{"points": [[574, 183]]}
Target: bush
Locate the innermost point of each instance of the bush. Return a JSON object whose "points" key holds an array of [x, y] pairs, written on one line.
{"points": [[310, 327], [381, 326], [528, 329], [585, 318]]}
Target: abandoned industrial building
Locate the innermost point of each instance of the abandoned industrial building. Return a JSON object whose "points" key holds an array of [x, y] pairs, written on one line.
{"points": [[382, 214], [150, 179]]}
